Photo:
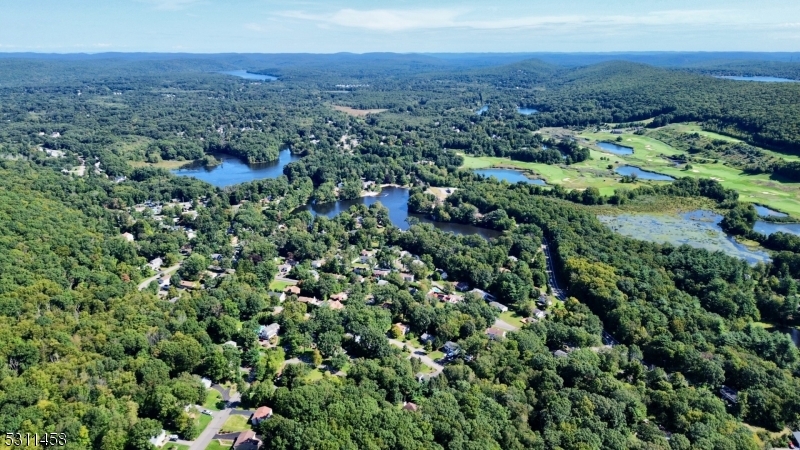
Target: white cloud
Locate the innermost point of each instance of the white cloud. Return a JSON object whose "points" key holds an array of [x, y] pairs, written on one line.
{"points": [[414, 19]]}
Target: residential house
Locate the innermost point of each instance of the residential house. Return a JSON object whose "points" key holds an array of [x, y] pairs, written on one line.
{"points": [[484, 295], [560, 354], [156, 263], [407, 277], [451, 349], [281, 296], [729, 394], [128, 237], [292, 290], [538, 313], [232, 344], [247, 440], [378, 273], [160, 439], [382, 282], [403, 328], [284, 269], [215, 269], [188, 285], [206, 382], [268, 332], [408, 406], [495, 333], [262, 413], [309, 300], [335, 304], [317, 263], [341, 296], [500, 306], [425, 338], [462, 286]]}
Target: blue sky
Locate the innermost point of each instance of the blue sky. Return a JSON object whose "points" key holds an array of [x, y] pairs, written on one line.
{"points": [[277, 26]]}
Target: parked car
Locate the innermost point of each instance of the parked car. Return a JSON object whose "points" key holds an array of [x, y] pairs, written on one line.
{"points": [[173, 437], [208, 412]]}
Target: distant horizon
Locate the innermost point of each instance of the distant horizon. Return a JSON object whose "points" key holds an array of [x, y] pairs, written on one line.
{"points": [[409, 26]]}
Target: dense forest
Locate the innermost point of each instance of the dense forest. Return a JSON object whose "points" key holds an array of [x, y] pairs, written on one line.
{"points": [[124, 286]]}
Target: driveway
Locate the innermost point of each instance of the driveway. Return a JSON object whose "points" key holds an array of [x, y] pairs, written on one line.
{"points": [[166, 271], [205, 438], [423, 357]]}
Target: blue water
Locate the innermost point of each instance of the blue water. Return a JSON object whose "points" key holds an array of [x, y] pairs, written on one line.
{"points": [[769, 228], [396, 201], [615, 149], [234, 171], [699, 229], [482, 110], [759, 79], [642, 174], [527, 111], [250, 76], [763, 211], [512, 176]]}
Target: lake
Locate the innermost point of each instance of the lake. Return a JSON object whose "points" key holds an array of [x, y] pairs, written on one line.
{"points": [[763, 211], [698, 229], [234, 171], [769, 228], [759, 79], [396, 200], [482, 110], [510, 175], [615, 149], [527, 111], [642, 174], [250, 76]]}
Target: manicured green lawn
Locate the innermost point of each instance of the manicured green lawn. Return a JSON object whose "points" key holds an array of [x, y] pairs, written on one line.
{"points": [[436, 355], [202, 422], [235, 423], [595, 173], [511, 318], [213, 400], [279, 285], [314, 375], [219, 444], [172, 446]]}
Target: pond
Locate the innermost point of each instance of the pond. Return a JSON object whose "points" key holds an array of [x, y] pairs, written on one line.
{"points": [[396, 201], [642, 174], [698, 229], [763, 211], [759, 79], [510, 175], [768, 228], [527, 111], [234, 171], [482, 110], [615, 149], [250, 76]]}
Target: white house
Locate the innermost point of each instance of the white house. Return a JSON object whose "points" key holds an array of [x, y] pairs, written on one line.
{"points": [[156, 263], [128, 237], [267, 332], [206, 382], [160, 439]]}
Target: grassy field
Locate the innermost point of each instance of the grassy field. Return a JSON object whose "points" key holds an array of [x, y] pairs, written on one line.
{"points": [[202, 422], [219, 444], [279, 285], [512, 318], [172, 446], [169, 164], [649, 155], [213, 400], [695, 128], [436, 355], [314, 375], [235, 423], [357, 112]]}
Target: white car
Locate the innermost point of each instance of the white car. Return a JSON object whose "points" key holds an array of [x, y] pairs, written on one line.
{"points": [[208, 412]]}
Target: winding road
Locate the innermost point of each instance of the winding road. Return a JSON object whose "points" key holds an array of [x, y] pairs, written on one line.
{"points": [[166, 272], [423, 357]]}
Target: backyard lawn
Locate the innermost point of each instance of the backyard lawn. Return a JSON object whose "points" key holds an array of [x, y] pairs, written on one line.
{"points": [[512, 318], [171, 446], [219, 444], [279, 285], [213, 400], [235, 423]]}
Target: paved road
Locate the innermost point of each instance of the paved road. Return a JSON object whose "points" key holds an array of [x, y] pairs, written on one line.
{"points": [[503, 325], [211, 430], [420, 353], [551, 273], [166, 271]]}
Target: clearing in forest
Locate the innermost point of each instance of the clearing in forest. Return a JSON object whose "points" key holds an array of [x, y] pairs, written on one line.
{"points": [[357, 112]]}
